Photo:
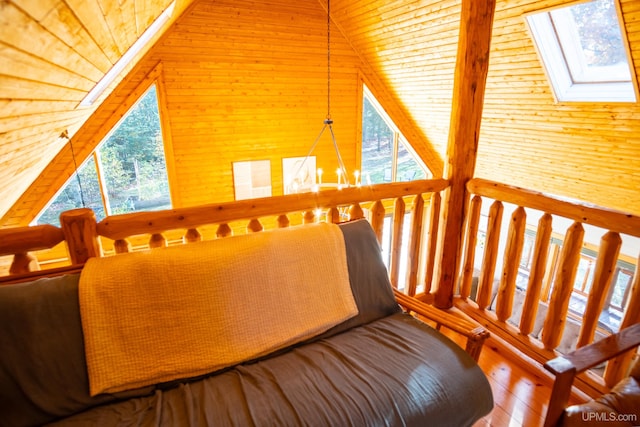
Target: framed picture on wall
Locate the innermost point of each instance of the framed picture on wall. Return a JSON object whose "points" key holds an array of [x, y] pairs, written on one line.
{"points": [[252, 179], [298, 174]]}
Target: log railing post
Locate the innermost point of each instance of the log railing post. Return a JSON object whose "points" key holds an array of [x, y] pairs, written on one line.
{"points": [[283, 221], [333, 215], [192, 235], [536, 274], [562, 287], [512, 255], [468, 266], [254, 226], [472, 66], [432, 241], [223, 230], [79, 228], [602, 277], [417, 216], [157, 240], [492, 242], [376, 218], [396, 240], [24, 262]]}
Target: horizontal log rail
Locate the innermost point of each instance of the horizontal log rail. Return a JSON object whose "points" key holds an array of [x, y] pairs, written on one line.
{"points": [[125, 225], [84, 236], [554, 272]]}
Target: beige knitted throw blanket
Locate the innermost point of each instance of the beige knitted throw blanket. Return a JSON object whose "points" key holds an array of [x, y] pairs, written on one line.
{"points": [[184, 311]]}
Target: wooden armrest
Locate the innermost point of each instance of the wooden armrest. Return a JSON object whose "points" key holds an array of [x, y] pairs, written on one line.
{"points": [[566, 367], [475, 334]]}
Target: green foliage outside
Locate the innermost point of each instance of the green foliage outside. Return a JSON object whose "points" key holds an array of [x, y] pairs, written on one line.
{"points": [[377, 151], [133, 163], [600, 36]]}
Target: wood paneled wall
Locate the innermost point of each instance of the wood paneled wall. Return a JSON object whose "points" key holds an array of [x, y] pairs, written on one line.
{"points": [[248, 78], [53, 53], [241, 80], [588, 151]]}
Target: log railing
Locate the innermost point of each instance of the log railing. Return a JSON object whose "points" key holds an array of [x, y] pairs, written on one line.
{"points": [[85, 237], [499, 281]]}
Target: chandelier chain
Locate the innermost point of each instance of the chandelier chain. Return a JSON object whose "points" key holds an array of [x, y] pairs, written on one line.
{"points": [[328, 59]]}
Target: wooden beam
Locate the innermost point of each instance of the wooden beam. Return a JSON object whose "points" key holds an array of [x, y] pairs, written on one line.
{"points": [[472, 66]]}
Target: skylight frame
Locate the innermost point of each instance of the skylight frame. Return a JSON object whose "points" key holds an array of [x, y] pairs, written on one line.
{"points": [[127, 57], [576, 83]]}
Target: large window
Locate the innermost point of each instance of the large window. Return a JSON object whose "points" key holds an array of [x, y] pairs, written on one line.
{"points": [[584, 52], [126, 173], [386, 154]]}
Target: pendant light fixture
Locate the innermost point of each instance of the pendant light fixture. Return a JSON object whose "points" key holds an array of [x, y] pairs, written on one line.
{"points": [[296, 185]]}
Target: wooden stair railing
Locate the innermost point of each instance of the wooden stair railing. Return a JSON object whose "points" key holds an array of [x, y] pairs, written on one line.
{"points": [[613, 224]]}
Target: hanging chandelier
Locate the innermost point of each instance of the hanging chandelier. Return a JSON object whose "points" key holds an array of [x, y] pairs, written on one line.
{"points": [[300, 179]]}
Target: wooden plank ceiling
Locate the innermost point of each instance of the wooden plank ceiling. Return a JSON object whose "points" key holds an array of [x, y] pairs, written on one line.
{"points": [[55, 51]]}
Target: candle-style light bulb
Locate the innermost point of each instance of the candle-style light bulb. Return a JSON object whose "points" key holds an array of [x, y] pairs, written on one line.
{"points": [[319, 171], [357, 175]]}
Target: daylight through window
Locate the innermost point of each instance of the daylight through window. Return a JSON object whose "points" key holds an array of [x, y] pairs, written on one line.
{"points": [[386, 154], [126, 173], [584, 51]]}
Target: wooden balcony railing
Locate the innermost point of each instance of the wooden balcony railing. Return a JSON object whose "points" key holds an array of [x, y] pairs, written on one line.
{"points": [[493, 302], [84, 237], [495, 316]]}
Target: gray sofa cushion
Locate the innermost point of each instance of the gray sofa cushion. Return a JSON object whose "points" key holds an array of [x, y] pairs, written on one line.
{"points": [[43, 372]]}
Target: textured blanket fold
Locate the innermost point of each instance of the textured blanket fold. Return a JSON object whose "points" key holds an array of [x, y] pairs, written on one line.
{"points": [[180, 312]]}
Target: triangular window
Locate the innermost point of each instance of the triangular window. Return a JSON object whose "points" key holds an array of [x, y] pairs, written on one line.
{"points": [[386, 154], [585, 52], [126, 173]]}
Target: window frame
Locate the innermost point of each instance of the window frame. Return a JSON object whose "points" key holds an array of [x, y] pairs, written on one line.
{"points": [[398, 137], [566, 87], [94, 156]]}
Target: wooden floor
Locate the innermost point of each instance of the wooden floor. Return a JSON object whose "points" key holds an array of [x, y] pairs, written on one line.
{"points": [[520, 395]]}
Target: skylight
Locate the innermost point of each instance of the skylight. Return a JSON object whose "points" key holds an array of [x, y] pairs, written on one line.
{"points": [[128, 56], [585, 52]]}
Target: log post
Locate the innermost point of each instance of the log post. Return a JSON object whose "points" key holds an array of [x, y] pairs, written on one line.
{"points": [[157, 240], [396, 240], [562, 287], [536, 275], [512, 255], [192, 235], [283, 221], [472, 66], [473, 219], [254, 226], [333, 215], [24, 262], [432, 248], [376, 218], [224, 231], [355, 212], [309, 217], [79, 228], [602, 277], [122, 246], [492, 242], [417, 216]]}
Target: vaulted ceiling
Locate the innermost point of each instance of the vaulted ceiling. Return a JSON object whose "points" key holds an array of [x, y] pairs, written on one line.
{"points": [[55, 51]]}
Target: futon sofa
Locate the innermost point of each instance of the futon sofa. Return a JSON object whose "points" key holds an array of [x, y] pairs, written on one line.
{"points": [[168, 314]]}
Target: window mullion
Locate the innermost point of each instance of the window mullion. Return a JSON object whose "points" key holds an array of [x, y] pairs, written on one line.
{"points": [[394, 161], [102, 182]]}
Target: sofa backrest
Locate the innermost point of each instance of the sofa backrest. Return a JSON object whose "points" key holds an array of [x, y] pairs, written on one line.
{"points": [[43, 372]]}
